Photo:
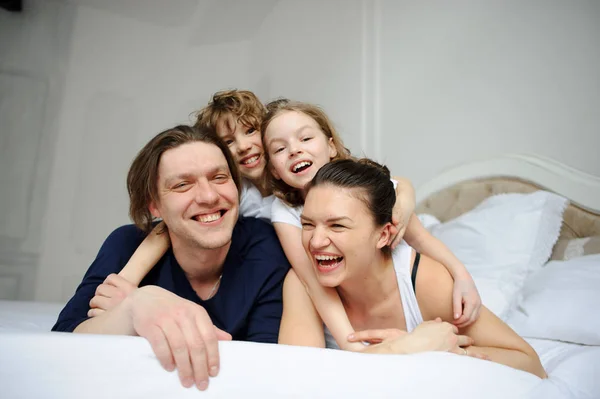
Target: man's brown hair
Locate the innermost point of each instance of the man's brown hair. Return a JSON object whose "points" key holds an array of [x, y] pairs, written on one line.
{"points": [[142, 179]]}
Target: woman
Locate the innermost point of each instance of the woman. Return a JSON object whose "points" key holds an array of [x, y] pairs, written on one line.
{"points": [[345, 233]]}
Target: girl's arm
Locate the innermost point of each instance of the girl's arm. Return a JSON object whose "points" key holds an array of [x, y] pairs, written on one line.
{"points": [[410, 228], [325, 299], [464, 291], [403, 209], [300, 322], [493, 338]]}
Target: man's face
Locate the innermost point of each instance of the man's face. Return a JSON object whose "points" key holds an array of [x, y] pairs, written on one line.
{"points": [[198, 199]]}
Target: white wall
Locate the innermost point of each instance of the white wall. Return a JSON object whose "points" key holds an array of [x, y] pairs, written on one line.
{"points": [[420, 85], [468, 80]]}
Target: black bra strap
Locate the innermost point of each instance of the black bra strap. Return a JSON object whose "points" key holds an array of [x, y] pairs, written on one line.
{"points": [[413, 276]]}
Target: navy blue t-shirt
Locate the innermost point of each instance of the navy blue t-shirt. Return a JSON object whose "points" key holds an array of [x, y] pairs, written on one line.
{"points": [[248, 303]]}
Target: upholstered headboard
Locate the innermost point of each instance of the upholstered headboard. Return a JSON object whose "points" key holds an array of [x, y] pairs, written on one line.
{"points": [[460, 189]]}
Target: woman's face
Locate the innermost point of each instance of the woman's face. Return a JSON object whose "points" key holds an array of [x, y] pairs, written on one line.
{"points": [[245, 145], [297, 148], [339, 234]]}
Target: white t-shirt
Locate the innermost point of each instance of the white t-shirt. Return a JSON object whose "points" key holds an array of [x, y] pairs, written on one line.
{"points": [[412, 314], [283, 213], [253, 204]]}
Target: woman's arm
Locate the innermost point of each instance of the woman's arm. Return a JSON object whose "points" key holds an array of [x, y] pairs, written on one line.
{"points": [[464, 290], [326, 300], [300, 322], [492, 336]]}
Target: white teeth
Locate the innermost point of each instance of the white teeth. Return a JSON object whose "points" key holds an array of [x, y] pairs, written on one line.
{"points": [[209, 218], [326, 257], [301, 164], [250, 160]]}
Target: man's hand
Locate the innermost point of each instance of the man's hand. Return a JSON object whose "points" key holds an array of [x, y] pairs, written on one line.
{"points": [[109, 294], [180, 332]]}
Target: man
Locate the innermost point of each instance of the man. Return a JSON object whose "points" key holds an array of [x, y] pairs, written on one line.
{"points": [[221, 273]]}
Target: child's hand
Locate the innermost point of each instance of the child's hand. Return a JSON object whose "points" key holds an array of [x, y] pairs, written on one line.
{"points": [[466, 302], [400, 219], [109, 294]]}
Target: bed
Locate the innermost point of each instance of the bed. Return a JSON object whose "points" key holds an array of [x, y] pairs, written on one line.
{"points": [[545, 288]]}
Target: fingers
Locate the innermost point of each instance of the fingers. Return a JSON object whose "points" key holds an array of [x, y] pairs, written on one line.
{"points": [[100, 302], [197, 352], [222, 335], [160, 347], [107, 290], [393, 234], [463, 340], [470, 314], [456, 303], [209, 336], [374, 336], [178, 348], [95, 312], [398, 238], [118, 281]]}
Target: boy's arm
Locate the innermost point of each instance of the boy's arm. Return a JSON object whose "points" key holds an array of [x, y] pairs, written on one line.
{"points": [[464, 291], [115, 288], [154, 246]]}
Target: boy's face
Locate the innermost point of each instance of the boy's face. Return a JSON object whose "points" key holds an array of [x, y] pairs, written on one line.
{"points": [[245, 145]]}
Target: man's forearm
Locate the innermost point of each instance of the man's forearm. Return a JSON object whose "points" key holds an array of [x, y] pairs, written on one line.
{"points": [[116, 321]]}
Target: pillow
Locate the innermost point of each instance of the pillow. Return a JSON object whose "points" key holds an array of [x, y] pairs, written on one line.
{"points": [[503, 240], [560, 302], [566, 249]]}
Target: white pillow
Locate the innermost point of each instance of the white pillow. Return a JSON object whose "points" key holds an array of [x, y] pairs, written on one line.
{"points": [[503, 240], [560, 302]]}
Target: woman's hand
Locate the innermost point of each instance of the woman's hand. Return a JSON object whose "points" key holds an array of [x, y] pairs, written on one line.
{"points": [[109, 294], [429, 336], [466, 301]]}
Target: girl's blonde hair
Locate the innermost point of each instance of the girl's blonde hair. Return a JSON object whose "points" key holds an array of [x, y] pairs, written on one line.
{"points": [[288, 194]]}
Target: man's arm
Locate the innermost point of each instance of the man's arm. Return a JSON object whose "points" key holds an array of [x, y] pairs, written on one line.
{"points": [[113, 255]]}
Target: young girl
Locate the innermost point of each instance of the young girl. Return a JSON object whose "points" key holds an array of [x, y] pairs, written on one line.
{"points": [[236, 116]]}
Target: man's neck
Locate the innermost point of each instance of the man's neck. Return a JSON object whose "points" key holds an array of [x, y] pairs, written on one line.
{"points": [[201, 266]]}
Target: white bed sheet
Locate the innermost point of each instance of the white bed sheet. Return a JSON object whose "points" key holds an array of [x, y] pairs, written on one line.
{"points": [[35, 363]]}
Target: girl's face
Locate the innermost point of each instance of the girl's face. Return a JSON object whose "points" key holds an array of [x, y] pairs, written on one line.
{"points": [[339, 234], [297, 148], [245, 145]]}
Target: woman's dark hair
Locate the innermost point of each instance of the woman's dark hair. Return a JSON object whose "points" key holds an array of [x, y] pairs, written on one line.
{"points": [[372, 179]]}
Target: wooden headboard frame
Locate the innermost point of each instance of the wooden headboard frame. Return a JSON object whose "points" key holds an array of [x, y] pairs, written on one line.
{"points": [[459, 189]]}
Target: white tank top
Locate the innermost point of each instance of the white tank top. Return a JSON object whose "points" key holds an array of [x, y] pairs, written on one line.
{"points": [[401, 260]]}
